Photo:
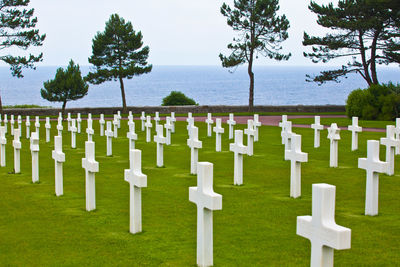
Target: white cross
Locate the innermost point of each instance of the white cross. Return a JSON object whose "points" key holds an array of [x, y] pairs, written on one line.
{"points": [[73, 131], [238, 149], [373, 166], [130, 116], [321, 229], [17, 151], [168, 130], [5, 122], [59, 126], [282, 125], [60, 115], [317, 129], [28, 127], [115, 123], [206, 200], [209, 122], [131, 135], [250, 132], [391, 143], [37, 124], [148, 126], [156, 119], [35, 157], [355, 129], [257, 124], [189, 117], [143, 119], [334, 137], [12, 125], [102, 122], [89, 129], [194, 144], [287, 134], [218, 132], [190, 122], [296, 157], [59, 158], [78, 121], [136, 180], [3, 142], [119, 117], [47, 125], [160, 140], [19, 119], [173, 120], [109, 135], [91, 166], [69, 122], [231, 122], [397, 134]]}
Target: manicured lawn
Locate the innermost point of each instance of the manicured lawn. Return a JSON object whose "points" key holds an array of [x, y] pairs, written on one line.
{"points": [[256, 227], [344, 122]]}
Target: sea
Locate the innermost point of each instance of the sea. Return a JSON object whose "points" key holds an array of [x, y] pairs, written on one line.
{"points": [[207, 85]]}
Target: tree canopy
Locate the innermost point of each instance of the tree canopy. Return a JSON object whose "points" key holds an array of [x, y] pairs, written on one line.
{"points": [[260, 32], [366, 31], [67, 85], [118, 53]]}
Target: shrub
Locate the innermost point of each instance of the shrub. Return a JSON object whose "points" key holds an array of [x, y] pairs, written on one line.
{"points": [[176, 98], [378, 102]]}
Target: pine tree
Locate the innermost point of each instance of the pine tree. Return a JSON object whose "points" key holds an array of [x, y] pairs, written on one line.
{"points": [[117, 53], [260, 32], [17, 29], [67, 85]]}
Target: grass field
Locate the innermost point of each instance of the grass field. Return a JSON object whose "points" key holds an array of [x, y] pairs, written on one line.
{"points": [[256, 227], [344, 122]]}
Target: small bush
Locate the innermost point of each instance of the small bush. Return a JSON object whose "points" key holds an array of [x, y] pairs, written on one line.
{"points": [[176, 98], [378, 102]]}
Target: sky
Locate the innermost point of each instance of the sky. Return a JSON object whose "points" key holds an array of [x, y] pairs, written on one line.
{"points": [[178, 32]]}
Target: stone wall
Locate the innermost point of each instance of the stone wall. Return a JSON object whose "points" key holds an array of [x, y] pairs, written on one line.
{"points": [[176, 109]]}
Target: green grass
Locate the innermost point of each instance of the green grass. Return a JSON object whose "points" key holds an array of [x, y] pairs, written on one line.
{"points": [[344, 122], [256, 227], [26, 106]]}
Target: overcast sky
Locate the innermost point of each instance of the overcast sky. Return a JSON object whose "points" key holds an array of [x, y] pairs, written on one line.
{"points": [[178, 32]]}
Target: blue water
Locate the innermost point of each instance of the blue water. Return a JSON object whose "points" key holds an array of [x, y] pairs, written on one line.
{"points": [[207, 85]]}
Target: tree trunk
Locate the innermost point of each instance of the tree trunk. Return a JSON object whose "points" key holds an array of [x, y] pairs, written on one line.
{"points": [[251, 89], [1, 106], [63, 108], [124, 110], [373, 58], [366, 76]]}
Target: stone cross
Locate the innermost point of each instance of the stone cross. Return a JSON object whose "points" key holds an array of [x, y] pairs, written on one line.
{"points": [[136, 180], [37, 124], [17, 151], [209, 122], [91, 166], [218, 132], [143, 119], [173, 120], [168, 130], [115, 123], [69, 122], [48, 127], [5, 122], [296, 157], [317, 129], [238, 149], [89, 129], [131, 135], [119, 117], [78, 122], [28, 127], [282, 124], [194, 144], [3, 142], [250, 132], [373, 166], [130, 116], [334, 137], [321, 229], [59, 126], [391, 143], [231, 122], [156, 119], [397, 134], [19, 119], [102, 122], [12, 125], [148, 126], [355, 129], [287, 134], [160, 140], [256, 124], [59, 158], [190, 122], [60, 116], [189, 117], [35, 157], [73, 131], [206, 200], [109, 135]]}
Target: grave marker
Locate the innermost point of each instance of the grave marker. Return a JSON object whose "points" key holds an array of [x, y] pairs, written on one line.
{"points": [[102, 122], [168, 130], [397, 134], [89, 129], [59, 158], [131, 135], [119, 117], [250, 132], [17, 151], [148, 126], [209, 122], [173, 120], [391, 143], [130, 116], [231, 122], [282, 125], [238, 149], [355, 129], [143, 119], [48, 127], [28, 127], [156, 119], [78, 122], [317, 129], [19, 120], [109, 135], [69, 122], [115, 123], [296, 157], [194, 144], [91, 166], [12, 125], [190, 122], [218, 132], [35, 157], [256, 124], [287, 134], [73, 131], [334, 137], [59, 126], [5, 122], [160, 140], [3, 142], [37, 124]]}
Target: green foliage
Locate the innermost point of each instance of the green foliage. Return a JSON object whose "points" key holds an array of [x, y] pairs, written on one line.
{"points": [[378, 102], [366, 31], [260, 32], [176, 98], [117, 53], [66, 86]]}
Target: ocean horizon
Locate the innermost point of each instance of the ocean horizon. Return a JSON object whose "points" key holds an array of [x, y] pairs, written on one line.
{"points": [[207, 85]]}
